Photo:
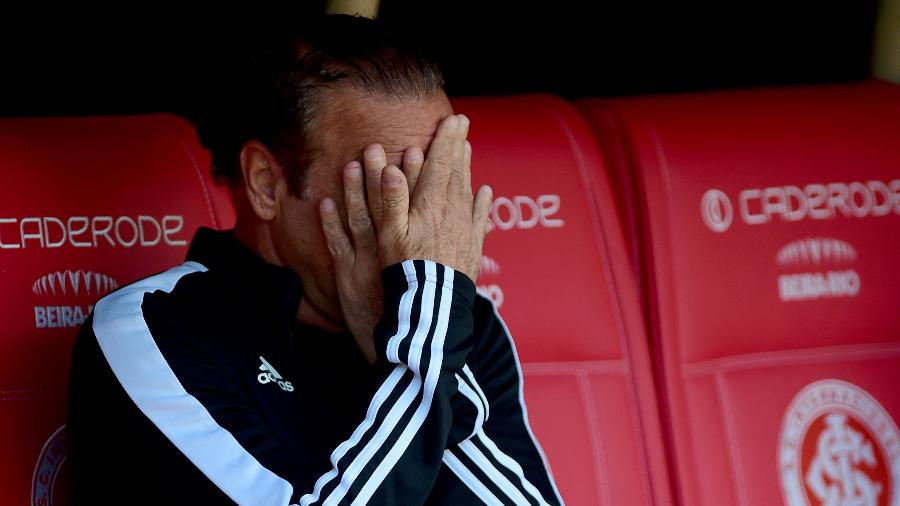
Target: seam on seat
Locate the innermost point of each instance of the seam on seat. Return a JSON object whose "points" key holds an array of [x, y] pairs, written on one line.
{"points": [[572, 368], [28, 394], [587, 397], [650, 296], [600, 240], [794, 357], [209, 207], [676, 388], [737, 469]]}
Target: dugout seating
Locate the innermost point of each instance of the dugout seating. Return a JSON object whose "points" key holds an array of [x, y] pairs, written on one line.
{"points": [[764, 227], [89, 204], [557, 266]]}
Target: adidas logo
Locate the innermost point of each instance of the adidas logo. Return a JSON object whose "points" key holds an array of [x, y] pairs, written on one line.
{"points": [[270, 375]]}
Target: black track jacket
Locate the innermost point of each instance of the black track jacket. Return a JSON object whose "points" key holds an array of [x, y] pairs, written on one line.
{"points": [[199, 386]]}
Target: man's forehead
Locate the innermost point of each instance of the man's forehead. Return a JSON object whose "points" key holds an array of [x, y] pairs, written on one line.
{"points": [[351, 120]]}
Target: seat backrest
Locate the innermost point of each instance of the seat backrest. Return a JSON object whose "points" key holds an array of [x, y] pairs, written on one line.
{"points": [[769, 224], [89, 204], [557, 268]]}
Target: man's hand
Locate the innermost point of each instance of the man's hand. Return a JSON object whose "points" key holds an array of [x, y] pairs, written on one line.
{"points": [[355, 259], [440, 219], [357, 268], [443, 221]]}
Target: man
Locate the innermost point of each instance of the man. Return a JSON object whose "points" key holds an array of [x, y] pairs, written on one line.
{"points": [[331, 349]]}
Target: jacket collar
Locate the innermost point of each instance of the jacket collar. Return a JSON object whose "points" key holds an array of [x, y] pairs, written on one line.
{"points": [[265, 284]]}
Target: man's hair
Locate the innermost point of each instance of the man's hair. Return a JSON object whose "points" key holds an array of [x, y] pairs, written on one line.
{"points": [[278, 92]]}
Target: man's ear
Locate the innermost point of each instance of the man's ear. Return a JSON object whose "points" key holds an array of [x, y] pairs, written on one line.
{"points": [[262, 176]]}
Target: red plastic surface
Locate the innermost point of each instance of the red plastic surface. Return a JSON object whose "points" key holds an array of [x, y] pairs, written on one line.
{"points": [[768, 225], [558, 267], [89, 204]]}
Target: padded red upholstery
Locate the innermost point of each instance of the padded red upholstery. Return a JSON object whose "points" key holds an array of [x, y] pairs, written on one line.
{"points": [[557, 265], [88, 204], [769, 221]]}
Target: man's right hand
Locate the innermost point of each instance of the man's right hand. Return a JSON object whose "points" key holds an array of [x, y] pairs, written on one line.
{"points": [[441, 221]]}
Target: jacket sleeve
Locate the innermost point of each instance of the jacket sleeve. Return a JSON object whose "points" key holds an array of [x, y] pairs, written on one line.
{"points": [[178, 400], [423, 340], [502, 462]]}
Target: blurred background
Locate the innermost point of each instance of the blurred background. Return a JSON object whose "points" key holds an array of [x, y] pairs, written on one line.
{"points": [[151, 56]]}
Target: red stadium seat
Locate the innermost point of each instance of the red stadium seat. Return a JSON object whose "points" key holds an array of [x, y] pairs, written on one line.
{"points": [[768, 224], [89, 204], [557, 266], [100, 202]]}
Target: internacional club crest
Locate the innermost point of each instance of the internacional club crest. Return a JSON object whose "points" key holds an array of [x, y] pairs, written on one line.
{"points": [[839, 447]]}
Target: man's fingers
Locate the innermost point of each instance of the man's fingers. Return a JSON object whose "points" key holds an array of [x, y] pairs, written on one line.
{"points": [[432, 183], [395, 204], [338, 243], [375, 160], [413, 159], [481, 210], [358, 219], [457, 176], [467, 170]]}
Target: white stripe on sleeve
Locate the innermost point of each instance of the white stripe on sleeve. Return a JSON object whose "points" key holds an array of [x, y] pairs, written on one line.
{"points": [[470, 480], [142, 370]]}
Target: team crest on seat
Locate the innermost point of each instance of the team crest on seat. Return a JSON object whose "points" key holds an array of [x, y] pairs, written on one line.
{"points": [[839, 447], [50, 482]]}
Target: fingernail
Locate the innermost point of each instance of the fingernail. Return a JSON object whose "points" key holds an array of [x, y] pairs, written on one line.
{"points": [[391, 178], [327, 205], [373, 149], [353, 170], [415, 154]]}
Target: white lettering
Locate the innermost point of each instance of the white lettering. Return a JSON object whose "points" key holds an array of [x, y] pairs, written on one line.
{"points": [[40, 317], [54, 317], [549, 205], [142, 219], [878, 188], [66, 316], [61, 227], [774, 201], [819, 201], [5, 245], [525, 212], [73, 232], [102, 231], [493, 292], [818, 285], [861, 206], [837, 198], [177, 225], [743, 201], [91, 232], [526, 203], [795, 195], [25, 236], [503, 202], [816, 193], [134, 231], [895, 190]]}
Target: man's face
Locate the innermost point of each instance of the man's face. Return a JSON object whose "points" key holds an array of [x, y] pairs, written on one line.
{"points": [[346, 123]]}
